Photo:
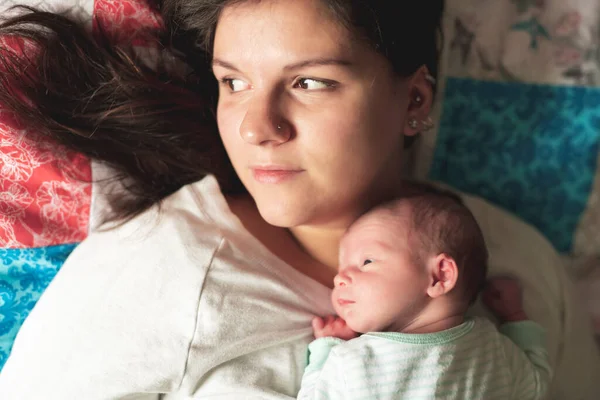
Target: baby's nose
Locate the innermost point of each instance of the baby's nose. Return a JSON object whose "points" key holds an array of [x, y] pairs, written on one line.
{"points": [[341, 280]]}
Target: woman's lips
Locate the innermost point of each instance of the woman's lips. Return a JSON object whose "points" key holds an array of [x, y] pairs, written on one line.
{"points": [[274, 174]]}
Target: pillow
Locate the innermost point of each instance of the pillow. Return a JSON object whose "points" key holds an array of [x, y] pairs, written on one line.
{"points": [[516, 248], [45, 203], [589, 289], [44, 212]]}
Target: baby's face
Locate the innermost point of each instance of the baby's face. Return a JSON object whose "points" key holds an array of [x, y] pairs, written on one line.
{"points": [[378, 287]]}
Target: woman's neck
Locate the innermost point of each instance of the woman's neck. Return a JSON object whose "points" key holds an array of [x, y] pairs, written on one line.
{"points": [[287, 247], [321, 243], [322, 239]]}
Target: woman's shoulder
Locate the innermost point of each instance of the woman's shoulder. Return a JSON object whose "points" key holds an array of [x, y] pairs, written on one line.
{"points": [[126, 294], [173, 244], [193, 214]]}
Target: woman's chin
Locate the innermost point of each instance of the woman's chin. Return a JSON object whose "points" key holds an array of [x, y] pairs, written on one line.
{"points": [[281, 209], [279, 215]]}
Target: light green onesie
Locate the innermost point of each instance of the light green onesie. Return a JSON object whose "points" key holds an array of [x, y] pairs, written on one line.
{"points": [[471, 361]]}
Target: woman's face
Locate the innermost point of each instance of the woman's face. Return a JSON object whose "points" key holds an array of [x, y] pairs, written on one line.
{"points": [[312, 119]]}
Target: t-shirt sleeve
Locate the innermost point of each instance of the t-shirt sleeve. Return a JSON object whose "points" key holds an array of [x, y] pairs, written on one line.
{"points": [[323, 377], [117, 321], [524, 346]]}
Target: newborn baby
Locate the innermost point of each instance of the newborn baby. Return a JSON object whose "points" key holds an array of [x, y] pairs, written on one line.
{"points": [[408, 272]]}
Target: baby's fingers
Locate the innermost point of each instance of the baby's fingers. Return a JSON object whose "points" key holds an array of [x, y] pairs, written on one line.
{"points": [[318, 323], [339, 323]]}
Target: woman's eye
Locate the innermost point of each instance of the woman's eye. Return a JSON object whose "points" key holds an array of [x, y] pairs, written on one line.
{"points": [[367, 261], [235, 85], [312, 84]]}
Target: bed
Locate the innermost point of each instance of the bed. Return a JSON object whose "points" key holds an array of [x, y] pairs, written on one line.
{"points": [[518, 134]]}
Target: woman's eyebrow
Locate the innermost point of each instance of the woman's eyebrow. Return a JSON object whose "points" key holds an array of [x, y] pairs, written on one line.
{"points": [[316, 62], [224, 64]]}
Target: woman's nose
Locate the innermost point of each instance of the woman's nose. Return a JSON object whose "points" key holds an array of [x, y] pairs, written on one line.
{"points": [[264, 123]]}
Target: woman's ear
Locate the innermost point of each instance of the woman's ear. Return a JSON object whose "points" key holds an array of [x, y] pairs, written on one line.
{"points": [[444, 275], [420, 101]]}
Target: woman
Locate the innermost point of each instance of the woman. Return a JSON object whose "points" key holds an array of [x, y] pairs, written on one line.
{"points": [[211, 296]]}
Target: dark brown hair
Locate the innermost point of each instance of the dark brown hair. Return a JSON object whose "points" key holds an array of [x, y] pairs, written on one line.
{"points": [[155, 128], [100, 100], [407, 33], [440, 223]]}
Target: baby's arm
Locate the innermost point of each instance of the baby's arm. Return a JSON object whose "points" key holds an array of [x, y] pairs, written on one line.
{"points": [[323, 376], [528, 359], [525, 344]]}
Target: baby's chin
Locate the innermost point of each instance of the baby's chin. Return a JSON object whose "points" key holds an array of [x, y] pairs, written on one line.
{"points": [[354, 318]]}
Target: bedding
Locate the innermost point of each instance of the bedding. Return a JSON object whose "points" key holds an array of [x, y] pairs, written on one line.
{"points": [[519, 114], [44, 212], [47, 203]]}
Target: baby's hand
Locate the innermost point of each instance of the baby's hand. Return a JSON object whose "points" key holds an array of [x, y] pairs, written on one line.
{"points": [[332, 326], [503, 296]]}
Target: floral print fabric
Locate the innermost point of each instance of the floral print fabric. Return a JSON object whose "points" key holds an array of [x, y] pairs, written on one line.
{"points": [[45, 199], [519, 123]]}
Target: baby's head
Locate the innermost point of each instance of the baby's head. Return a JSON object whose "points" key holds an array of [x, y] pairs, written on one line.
{"points": [[413, 259]]}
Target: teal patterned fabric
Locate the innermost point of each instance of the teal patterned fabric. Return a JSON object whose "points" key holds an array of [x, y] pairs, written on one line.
{"points": [[24, 275], [532, 149]]}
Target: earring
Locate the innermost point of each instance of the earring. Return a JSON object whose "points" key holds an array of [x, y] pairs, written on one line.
{"points": [[427, 124], [429, 78], [278, 127], [418, 99]]}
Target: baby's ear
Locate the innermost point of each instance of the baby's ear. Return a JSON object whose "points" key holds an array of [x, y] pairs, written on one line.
{"points": [[444, 275]]}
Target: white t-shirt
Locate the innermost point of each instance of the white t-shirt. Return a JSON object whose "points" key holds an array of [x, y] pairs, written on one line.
{"points": [[187, 303], [184, 302]]}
